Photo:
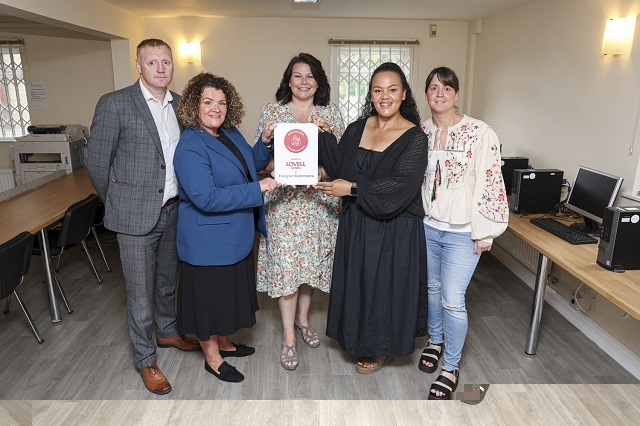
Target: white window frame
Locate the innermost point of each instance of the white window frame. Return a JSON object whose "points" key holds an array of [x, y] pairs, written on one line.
{"points": [[353, 62], [14, 105]]}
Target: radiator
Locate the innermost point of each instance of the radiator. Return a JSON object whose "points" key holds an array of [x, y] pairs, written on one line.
{"points": [[6, 179], [520, 250]]}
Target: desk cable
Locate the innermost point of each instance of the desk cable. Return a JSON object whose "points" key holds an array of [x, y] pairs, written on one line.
{"points": [[575, 297]]}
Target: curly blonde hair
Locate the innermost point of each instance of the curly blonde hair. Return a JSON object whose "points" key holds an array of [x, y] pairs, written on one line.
{"points": [[189, 105]]}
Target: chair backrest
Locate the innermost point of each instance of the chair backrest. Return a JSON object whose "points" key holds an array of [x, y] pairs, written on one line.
{"points": [[77, 221], [15, 257], [100, 210]]}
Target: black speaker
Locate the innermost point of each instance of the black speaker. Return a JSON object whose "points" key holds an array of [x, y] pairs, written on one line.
{"points": [[509, 164], [535, 190], [619, 247]]}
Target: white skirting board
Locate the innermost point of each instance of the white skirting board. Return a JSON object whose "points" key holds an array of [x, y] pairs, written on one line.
{"points": [[605, 341]]}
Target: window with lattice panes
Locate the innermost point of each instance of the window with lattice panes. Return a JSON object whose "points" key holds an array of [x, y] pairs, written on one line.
{"points": [[14, 108], [353, 65]]}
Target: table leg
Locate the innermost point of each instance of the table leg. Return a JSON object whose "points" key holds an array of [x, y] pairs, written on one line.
{"points": [[544, 266], [46, 259]]}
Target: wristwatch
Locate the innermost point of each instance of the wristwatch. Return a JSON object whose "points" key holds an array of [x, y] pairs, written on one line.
{"points": [[354, 189]]}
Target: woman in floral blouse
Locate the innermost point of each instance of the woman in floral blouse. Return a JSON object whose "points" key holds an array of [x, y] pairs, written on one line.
{"points": [[297, 255], [466, 208]]}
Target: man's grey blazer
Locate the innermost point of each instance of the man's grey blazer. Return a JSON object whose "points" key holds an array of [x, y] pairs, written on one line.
{"points": [[125, 161]]}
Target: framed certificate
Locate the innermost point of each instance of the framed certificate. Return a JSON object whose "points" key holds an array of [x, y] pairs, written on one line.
{"points": [[296, 153]]}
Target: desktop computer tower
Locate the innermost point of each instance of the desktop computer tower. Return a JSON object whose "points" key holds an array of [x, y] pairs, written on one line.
{"points": [[509, 164], [535, 190], [619, 247]]}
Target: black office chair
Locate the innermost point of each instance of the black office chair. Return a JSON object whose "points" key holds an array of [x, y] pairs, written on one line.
{"points": [[75, 227], [15, 257], [99, 220]]}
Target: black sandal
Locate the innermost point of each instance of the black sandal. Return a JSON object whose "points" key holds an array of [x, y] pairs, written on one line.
{"points": [[432, 355], [444, 385]]}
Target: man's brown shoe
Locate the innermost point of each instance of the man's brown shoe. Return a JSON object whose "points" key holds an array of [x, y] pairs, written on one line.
{"points": [[154, 380], [179, 341]]}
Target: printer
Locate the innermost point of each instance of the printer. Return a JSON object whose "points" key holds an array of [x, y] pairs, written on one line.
{"points": [[47, 149]]}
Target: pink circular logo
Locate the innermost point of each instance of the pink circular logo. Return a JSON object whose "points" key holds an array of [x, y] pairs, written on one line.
{"points": [[296, 141]]}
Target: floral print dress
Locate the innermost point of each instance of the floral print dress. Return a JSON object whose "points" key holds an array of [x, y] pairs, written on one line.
{"points": [[301, 222]]}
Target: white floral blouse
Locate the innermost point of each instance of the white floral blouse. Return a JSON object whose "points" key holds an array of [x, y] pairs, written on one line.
{"points": [[471, 187], [302, 223]]}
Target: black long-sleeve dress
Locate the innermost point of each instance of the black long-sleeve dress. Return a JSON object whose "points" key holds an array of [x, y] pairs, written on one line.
{"points": [[378, 300]]}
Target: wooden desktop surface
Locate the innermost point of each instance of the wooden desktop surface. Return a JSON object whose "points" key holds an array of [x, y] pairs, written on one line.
{"points": [[44, 205], [622, 289]]}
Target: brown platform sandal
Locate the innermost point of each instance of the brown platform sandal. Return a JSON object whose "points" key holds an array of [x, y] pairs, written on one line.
{"points": [[375, 364]]}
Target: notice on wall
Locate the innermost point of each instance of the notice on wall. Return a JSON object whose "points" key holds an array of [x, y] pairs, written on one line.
{"points": [[296, 153], [38, 98]]}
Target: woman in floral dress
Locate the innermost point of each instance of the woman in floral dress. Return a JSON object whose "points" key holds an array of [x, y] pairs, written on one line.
{"points": [[297, 255]]}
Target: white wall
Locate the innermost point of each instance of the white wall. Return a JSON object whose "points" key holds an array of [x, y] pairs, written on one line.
{"points": [[76, 72], [253, 52], [541, 82], [92, 17]]}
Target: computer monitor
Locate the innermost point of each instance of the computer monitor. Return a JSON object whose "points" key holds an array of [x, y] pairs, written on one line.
{"points": [[593, 191]]}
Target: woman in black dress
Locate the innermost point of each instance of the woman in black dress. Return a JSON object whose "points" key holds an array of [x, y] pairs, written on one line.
{"points": [[378, 302]]}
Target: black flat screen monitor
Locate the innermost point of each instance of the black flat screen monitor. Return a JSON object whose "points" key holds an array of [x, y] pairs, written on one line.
{"points": [[592, 192]]}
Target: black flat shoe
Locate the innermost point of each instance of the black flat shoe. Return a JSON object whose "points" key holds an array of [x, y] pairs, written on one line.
{"points": [[241, 350], [228, 373]]}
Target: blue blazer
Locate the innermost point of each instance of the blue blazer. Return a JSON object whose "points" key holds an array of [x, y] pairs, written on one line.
{"points": [[216, 224]]}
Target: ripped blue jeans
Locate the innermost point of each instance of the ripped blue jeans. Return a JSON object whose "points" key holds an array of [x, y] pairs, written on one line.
{"points": [[450, 266]]}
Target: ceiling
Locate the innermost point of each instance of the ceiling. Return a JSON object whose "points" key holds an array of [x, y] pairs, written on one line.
{"points": [[458, 10], [453, 10]]}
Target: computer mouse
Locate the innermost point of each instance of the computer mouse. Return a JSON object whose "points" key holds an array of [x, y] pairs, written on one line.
{"points": [[618, 269]]}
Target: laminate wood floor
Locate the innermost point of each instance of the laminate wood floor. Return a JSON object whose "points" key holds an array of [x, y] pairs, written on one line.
{"points": [[87, 356], [511, 405]]}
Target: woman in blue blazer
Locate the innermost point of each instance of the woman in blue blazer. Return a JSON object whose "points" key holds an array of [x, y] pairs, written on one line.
{"points": [[221, 208]]}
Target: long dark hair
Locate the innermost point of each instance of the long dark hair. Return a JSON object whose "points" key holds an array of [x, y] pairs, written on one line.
{"points": [[323, 93], [408, 108]]}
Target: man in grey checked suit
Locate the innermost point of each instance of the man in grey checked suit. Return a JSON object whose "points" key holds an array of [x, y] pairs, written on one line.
{"points": [[134, 134]]}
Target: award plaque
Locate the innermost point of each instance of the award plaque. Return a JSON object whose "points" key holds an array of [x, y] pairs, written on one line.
{"points": [[296, 153]]}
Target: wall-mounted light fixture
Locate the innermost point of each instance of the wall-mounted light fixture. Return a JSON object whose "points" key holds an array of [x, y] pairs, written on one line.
{"points": [[306, 1], [618, 36], [189, 51]]}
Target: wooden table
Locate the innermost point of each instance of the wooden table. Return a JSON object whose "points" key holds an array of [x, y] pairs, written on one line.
{"points": [[39, 208], [622, 289]]}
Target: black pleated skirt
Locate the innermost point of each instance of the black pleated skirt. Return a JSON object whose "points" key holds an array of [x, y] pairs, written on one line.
{"points": [[217, 300]]}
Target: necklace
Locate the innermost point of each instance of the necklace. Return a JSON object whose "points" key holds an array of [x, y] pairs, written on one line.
{"points": [[437, 176]]}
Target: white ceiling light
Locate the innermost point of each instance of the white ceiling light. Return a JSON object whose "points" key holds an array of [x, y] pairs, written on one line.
{"points": [[306, 1]]}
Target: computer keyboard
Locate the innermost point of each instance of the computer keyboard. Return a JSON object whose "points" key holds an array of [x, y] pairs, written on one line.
{"points": [[567, 233]]}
